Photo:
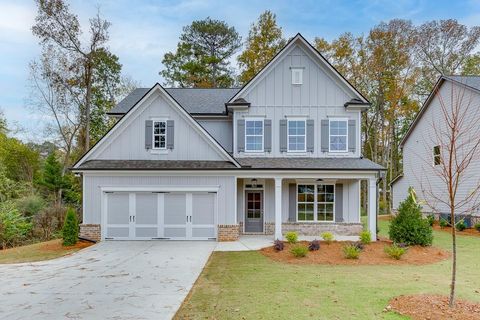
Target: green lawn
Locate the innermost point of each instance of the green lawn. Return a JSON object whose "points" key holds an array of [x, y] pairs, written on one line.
{"points": [[247, 285]]}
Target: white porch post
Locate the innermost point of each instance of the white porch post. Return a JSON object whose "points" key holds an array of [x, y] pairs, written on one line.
{"points": [[372, 207], [278, 208]]}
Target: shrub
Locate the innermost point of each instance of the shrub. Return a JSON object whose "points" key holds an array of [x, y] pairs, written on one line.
{"points": [[359, 245], [327, 237], [365, 237], [409, 226], [431, 219], [477, 226], [14, 228], [49, 221], [278, 245], [70, 228], [292, 237], [443, 223], [299, 251], [30, 206], [350, 251], [314, 245], [394, 251], [461, 225]]}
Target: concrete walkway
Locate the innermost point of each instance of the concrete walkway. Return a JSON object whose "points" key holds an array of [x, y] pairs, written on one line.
{"points": [[111, 280]]}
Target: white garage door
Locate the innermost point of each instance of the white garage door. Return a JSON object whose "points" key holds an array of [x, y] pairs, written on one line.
{"points": [[159, 215]]}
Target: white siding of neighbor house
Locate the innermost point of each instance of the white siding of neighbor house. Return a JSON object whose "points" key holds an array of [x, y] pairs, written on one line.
{"points": [[322, 95], [92, 193], [128, 143], [418, 154], [221, 130]]}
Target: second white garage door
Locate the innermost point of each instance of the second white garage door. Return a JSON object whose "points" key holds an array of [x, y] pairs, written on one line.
{"points": [[159, 215]]}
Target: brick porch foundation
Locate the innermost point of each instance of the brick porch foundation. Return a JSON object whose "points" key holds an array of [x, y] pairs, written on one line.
{"points": [[228, 232], [315, 229], [90, 232]]}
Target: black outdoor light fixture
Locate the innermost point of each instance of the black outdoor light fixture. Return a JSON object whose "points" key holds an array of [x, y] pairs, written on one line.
{"points": [[319, 179], [254, 183]]}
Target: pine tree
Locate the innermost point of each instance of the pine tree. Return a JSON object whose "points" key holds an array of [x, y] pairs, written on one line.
{"points": [[70, 228], [52, 178]]}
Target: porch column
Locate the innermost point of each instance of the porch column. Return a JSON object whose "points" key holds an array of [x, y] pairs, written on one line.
{"points": [[372, 207], [278, 208]]}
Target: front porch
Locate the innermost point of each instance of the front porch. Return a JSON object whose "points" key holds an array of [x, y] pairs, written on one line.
{"points": [[308, 204]]}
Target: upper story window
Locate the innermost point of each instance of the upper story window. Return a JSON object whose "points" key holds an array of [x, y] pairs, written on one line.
{"points": [[296, 135], [254, 135], [160, 134], [338, 135], [297, 75], [436, 156]]}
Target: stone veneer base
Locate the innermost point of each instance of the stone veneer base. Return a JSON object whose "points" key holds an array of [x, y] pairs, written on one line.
{"points": [[90, 232], [228, 232], [315, 229]]}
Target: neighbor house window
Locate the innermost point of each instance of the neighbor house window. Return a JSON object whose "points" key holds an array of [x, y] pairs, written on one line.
{"points": [[315, 202], [338, 135], [159, 134], [254, 135], [436, 156], [296, 135], [297, 75]]}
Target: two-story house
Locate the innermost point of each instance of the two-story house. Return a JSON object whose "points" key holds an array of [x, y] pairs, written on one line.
{"points": [[281, 153]]}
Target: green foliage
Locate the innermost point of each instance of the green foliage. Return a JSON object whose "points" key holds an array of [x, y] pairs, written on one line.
{"points": [[30, 206], [70, 228], [264, 40], [351, 251], [327, 237], [11, 189], [477, 226], [202, 58], [13, 226], [52, 177], [299, 251], [461, 225], [443, 223], [365, 237], [292, 237], [431, 219], [408, 226], [20, 162], [394, 251]]}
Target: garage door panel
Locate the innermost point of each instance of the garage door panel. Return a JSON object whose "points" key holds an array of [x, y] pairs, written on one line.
{"points": [[175, 208], [175, 232], [146, 232], [203, 206], [146, 207], [117, 208], [116, 232], [198, 232]]}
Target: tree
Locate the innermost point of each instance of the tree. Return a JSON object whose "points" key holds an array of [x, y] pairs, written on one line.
{"points": [[57, 27], [70, 228], [471, 65], [264, 40], [20, 163], [456, 131], [13, 226], [202, 56], [52, 177]]}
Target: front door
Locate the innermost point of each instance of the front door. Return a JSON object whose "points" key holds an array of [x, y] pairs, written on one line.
{"points": [[254, 211]]}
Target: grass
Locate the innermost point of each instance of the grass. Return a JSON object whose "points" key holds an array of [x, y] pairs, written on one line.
{"points": [[248, 285], [39, 251]]}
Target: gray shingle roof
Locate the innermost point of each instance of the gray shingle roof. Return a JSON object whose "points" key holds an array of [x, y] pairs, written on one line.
{"points": [[310, 163], [246, 163], [194, 100], [471, 81]]}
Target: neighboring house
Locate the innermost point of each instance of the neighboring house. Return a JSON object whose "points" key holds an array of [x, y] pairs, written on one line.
{"points": [[281, 153], [421, 152]]}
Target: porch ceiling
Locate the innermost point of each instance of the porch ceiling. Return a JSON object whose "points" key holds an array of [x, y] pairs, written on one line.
{"points": [[310, 164]]}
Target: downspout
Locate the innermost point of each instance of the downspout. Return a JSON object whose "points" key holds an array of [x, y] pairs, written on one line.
{"points": [[381, 176]]}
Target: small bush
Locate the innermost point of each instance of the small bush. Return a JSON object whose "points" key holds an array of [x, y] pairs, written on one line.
{"points": [[431, 219], [70, 228], [350, 251], [394, 251], [443, 223], [327, 237], [299, 251], [278, 245], [365, 237], [359, 245], [30, 206], [292, 237], [477, 226], [409, 226], [14, 228], [314, 245], [461, 225]]}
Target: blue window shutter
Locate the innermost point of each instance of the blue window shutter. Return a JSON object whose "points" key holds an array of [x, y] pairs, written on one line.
{"points": [[241, 135], [170, 134], [352, 135], [283, 135], [325, 134], [267, 135], [148, 134], [310, 135]]}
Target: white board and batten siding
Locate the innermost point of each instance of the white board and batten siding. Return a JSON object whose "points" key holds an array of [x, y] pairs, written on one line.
{"points": [[418, 154], [221, 130], [321, 96]]}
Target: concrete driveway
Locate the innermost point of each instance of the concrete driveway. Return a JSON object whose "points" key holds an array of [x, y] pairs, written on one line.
{"points": [[111, 280]]}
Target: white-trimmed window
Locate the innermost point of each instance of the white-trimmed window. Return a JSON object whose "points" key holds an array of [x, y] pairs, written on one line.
{"points": [[316, 202], [437, 160], [338, 140], [297, 135], [297, 76], [254, 135], [159, 134]]}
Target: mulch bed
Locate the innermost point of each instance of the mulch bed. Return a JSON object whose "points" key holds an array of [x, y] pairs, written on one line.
{"points": [[466, 232], [422, 307], [57, 245], [373, 254]]}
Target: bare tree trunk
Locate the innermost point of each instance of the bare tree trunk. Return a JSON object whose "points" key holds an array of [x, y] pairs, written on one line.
{"points": [[451, 302], [88, 98]]}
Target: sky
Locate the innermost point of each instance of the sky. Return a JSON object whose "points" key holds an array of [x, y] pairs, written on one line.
{"points": [[142, 31]]}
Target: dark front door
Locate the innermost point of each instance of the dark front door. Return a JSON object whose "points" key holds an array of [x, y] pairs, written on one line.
{"points": [[254, 211]]}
